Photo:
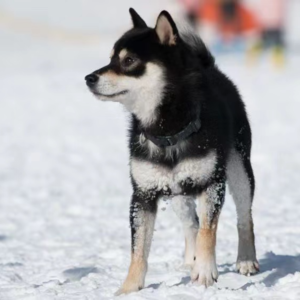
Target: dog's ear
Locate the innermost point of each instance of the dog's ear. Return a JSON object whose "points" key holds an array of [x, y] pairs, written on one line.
{"points": [[166, 29], [137, 21]]}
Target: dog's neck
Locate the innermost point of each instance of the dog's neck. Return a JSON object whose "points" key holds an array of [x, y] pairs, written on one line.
{"points": [[172, 116]]}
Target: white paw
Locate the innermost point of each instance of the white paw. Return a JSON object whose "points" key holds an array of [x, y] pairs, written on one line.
{"points": [[128, 287], [205, 273], [248, 267]]}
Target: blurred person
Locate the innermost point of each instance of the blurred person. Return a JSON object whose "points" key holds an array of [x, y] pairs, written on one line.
{"points": [[231, 21], [192, 8], [230, 18], [271, 18]]}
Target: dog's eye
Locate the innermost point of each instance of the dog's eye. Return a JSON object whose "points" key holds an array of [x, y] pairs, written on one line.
{"points": [[128, 61]]}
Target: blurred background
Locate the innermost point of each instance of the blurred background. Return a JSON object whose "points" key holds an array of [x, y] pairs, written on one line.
{"points": [[64, 176]]}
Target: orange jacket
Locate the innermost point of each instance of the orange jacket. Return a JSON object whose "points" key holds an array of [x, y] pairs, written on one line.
{"points": [[210, 12]]}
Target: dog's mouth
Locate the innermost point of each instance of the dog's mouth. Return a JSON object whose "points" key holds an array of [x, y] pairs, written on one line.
{"points": [[110, 95]]}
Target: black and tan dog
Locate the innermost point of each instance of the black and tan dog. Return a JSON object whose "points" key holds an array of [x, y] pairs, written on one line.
{"points": [[189, 135]]}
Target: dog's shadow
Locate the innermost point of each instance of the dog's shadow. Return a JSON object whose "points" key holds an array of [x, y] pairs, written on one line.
{"points": [[279, 266], [3, 238], [75, 274]]}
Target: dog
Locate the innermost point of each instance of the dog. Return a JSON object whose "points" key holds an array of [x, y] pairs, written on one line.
{"points": [[189, 136]]}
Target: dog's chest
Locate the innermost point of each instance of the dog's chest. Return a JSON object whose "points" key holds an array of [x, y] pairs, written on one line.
{"points": [[148, 175]]}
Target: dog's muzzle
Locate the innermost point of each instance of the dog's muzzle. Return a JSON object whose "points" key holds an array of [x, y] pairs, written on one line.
{"points": [[91, 80]]}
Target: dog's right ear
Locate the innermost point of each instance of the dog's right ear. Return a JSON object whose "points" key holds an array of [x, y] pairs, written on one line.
{"points": [[166, 29], [137, 21]]}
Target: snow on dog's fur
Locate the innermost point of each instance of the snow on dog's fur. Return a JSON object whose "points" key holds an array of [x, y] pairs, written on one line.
{"points": [[170, 84]]}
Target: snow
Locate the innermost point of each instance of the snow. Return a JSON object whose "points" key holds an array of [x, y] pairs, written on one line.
{"points": [[64, 184]]}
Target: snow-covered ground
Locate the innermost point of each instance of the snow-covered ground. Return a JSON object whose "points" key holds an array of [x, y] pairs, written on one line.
{"points": [[64, 184]]}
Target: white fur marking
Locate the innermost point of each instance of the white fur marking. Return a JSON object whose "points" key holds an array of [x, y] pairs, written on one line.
{"points": [[168, 151], [148, 175], [144, 93], [239, 186], [185, 209], [205, 269]]}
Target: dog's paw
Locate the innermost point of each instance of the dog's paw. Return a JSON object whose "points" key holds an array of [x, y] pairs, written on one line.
{"points": [[248, 267], [205, 273], [128, 288], [130, 285]]}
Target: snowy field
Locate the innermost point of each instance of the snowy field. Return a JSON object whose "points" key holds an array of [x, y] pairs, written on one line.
{"points": [[64, 184]]}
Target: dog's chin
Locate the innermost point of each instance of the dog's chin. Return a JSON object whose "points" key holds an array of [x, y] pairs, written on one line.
{"points": [[109, 96]]}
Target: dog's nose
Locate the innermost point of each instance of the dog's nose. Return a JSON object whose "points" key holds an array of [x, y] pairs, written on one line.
{"points": [[91, 79]]}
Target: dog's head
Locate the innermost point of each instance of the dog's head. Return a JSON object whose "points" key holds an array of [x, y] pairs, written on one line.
{"points": [[142, 63]]}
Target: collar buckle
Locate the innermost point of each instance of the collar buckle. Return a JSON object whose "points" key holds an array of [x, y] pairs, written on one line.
{"points": [[171, 140]]}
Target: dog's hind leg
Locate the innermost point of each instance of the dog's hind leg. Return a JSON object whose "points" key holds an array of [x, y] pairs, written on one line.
{"points": [[142, 218], [205, 270], [241, 185], [185, 209]]}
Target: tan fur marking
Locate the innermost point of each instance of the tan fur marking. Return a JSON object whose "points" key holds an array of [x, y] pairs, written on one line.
{"points": [[205, 269], [123, 53], [206, 239], [111, 74], [135, 279], [136, 275], [206, 243], [112, 53]]}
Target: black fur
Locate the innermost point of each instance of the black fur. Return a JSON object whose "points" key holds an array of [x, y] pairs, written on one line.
{"points": [[193, 84], [137, 21]]}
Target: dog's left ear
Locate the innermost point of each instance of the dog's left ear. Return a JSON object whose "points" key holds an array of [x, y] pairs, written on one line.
{"points": [[137, 21], [166, 29]]}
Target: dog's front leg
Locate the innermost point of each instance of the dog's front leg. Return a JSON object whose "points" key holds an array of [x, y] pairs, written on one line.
{"points": [[142, 218], [185, 209], [205, 270]]}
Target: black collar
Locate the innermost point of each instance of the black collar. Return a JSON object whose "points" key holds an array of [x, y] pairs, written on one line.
{"points": [[171, 140]]}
